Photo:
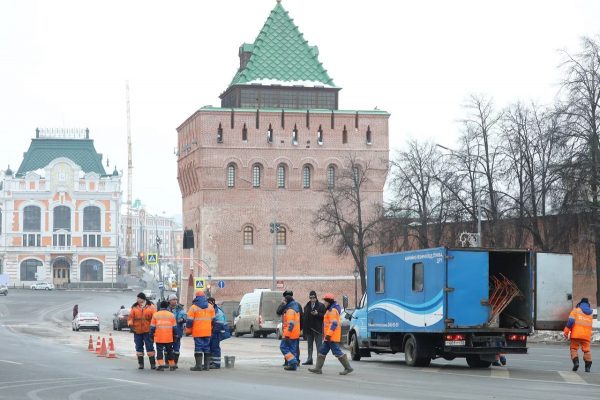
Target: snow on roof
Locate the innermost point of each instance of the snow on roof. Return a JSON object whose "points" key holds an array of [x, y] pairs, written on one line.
{"points": [[270, 82]]}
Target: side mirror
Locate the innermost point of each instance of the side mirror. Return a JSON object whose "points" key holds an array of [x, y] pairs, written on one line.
{"points": [[345, 301], [236, 313], [348, 315]]}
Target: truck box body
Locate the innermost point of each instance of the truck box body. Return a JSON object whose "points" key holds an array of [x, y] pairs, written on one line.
{"points": [[439, 295]]}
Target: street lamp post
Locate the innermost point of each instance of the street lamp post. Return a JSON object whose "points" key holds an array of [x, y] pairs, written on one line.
{"points": [[355, 273], [477, 189], [273, 228]]}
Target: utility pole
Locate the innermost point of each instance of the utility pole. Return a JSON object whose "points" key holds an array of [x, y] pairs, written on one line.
{"points": [[160, 276], [128, 234], [274, 228]]}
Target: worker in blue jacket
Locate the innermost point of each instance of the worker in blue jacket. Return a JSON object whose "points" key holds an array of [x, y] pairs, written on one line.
{"points": [[219, 333], [180, 318]]}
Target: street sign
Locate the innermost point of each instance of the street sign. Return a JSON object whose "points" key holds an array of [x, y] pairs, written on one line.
{"points": [[161, 285], [152, 259], [199, 283], [279, 284], [221, 284]]}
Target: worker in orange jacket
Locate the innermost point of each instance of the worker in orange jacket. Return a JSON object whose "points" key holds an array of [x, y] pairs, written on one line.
{"points": [[138, 321], [579, 329], [163, 331], [290, 330], [199, 323], [332, 332]]}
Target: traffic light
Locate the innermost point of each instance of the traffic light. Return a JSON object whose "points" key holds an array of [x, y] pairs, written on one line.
{"points": [[141, 258]]}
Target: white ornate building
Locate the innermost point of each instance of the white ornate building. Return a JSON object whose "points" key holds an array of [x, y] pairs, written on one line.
{"points": [[59, 213]]}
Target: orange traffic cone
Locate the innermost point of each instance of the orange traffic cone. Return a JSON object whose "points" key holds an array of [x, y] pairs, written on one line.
{"points": [[98, 344], [91, 344], [102, 349], [111, 347]]}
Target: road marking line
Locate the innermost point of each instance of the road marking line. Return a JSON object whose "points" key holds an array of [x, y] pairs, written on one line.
{"points": [[11, 362], [500, 373], [571, 377], [125, 380], [77, 395]]}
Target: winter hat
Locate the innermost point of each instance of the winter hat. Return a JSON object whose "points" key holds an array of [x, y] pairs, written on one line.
{"points": [[329, 297], [164, 304], [172, 297], [584, 300], [199, 293], [313, 293], [141, 295], [288, 293]]}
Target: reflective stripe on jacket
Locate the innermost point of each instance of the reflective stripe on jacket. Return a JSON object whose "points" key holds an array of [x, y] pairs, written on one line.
{"points": [[580, 324], [140, 317], [200, 320], [163, 326], [291, 323], [332, 325]]}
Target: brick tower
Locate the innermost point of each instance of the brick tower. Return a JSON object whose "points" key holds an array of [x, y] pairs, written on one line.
{"points": [[267, 155]]}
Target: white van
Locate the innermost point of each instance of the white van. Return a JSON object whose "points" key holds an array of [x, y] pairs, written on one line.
{"points": [[257, 313]]}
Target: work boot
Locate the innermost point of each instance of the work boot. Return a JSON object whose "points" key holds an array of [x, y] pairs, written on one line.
{"points": [[575, 364], [176, 359], [207, 359], [172, 368], [496, 363], [152, 362], [160, 368], [502, 360], [308, 362], [344, 361], [318, 368], [588, 366], [140, 362], [198, 366]]}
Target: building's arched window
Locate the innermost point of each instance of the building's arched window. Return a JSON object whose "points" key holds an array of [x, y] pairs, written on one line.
{"points": [[29, 269], [248, 236], [281, 176], [345, 135], [32, 219], [331, 176], [356, 175], [306, 177], [91, 270], [295, 135], [245, 133], [220, 134], [231, 175], [369, 135], [256, 175], [61, 218], [91, 227], [320, 135], [281, 236]]}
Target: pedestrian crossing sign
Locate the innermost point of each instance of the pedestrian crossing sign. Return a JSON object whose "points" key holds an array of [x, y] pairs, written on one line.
{"points": [[152, 259], [199, 283]]}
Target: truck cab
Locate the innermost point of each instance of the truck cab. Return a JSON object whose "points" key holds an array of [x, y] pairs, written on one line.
{"points": [[459, 303]]}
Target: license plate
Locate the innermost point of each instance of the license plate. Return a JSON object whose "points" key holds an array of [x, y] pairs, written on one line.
{"points": [[455, 342]]}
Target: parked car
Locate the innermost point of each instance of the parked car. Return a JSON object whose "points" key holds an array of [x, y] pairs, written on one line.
{"points": [[120, 319], [149, 294], [4, 289], [257, 313], [86, 320], [230, 308], [42, 286]]}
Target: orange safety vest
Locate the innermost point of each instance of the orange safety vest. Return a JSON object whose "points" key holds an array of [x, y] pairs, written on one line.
{"points": [[332, 315], [163, 322], [140, 318], [202, 320], [291, 316], [582, 328]]}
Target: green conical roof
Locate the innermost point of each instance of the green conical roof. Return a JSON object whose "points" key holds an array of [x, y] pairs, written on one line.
{"points": [[281, 55]]}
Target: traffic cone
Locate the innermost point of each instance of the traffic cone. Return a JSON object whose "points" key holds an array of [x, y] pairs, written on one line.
{"points": [[91, 344], [102, 349], [98, 345], [111, 347]]}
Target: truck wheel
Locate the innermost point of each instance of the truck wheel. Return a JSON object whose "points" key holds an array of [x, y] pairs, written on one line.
{"points": [[474, 361], [236, 332], [254, 333], [413, 353], [354, 350]]}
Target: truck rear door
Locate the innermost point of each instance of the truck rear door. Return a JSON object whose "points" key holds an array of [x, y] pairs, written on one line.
{"points": [[467, 288], [553, 290]]}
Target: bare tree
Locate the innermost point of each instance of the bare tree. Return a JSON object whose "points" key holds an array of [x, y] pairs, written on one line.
{"points": [[348, 219], [581, 84], [421, 201]]}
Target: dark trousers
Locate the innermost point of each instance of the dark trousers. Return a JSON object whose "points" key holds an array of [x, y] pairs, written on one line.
{"points": [[164, 353], [141, 340], [315, 338]]}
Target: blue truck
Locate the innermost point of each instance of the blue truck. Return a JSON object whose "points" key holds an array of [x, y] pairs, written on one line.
{"points": [[436, 303]]}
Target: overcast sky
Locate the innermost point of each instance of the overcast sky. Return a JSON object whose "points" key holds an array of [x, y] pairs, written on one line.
{"points": [[65, 63]]}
